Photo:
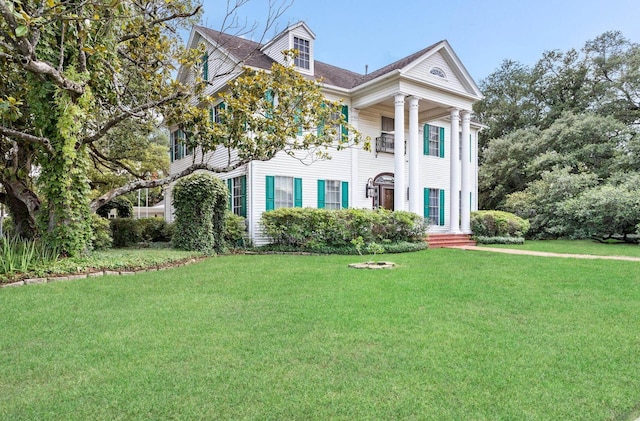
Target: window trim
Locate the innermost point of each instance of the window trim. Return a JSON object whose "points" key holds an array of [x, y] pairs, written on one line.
{"points": [[303, 59]]}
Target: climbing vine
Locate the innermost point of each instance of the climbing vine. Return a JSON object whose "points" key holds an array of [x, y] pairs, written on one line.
{"points": [[200, 201]]}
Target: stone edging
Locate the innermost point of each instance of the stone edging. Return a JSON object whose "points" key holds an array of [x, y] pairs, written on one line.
{"points": [[48, 279]]}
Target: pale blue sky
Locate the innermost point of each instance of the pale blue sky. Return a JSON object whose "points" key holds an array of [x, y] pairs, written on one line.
{"points": [[353, 33]]}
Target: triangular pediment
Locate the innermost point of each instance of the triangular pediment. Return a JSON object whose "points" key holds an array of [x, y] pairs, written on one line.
{"points": [[441, 67]]}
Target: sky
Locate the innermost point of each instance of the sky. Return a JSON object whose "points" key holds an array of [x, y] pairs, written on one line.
{"points": [[483, 33]]}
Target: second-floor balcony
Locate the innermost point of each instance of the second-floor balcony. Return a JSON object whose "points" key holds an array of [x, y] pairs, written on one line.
{"points": [[386, 143]]}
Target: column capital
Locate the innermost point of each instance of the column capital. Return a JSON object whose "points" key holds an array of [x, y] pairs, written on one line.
{"points": [[455, 113], [466, 115], [399, 99], [414, 102]]}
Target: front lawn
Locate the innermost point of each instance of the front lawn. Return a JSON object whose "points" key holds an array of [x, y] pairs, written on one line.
{"points": [[448, 334], [576, 247]]}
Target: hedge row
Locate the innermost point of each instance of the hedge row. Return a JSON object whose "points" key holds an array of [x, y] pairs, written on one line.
{"points": [[500, 240], [317, 228], [401, 247]]}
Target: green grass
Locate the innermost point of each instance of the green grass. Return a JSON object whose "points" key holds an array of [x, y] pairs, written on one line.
{"points": [[576, 247], [448, 334]]}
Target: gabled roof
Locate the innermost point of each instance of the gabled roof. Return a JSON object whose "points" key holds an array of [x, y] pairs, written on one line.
{"points": [[241, 49], [400, 64], [251, 53]]}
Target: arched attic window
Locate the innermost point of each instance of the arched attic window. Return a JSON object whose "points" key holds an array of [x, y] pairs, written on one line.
{"points": [[436, 71]]}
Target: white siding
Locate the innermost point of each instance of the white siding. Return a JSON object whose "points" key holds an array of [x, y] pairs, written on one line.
{"points": [[279, 45], [338, 168], [422, 71]]}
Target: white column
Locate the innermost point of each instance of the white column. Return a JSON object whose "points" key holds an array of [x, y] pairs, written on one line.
{"points": [[398, 171], [414, 158], [465, 174], [454, 165], [356, 190]]}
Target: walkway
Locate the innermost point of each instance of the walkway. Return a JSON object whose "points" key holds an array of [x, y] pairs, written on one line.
{"points": [[545, 254]]}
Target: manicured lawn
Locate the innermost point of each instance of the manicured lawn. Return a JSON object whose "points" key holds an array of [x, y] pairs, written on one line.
{"points": [[578, 247], [448, 334]]}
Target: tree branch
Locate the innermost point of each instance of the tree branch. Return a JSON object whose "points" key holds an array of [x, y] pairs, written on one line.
{"points": [[14, 134], [141, 184], [123, 116], [158, 21], [27, 58]]}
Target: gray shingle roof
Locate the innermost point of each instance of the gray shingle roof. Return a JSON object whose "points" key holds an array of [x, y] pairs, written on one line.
{"points": [[248, 51]]}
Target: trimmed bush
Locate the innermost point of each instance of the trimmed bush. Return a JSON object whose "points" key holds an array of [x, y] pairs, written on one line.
{"points": [[234, 230], [101, 238], [500, 240], [126, 232], [498, 224], [318, 228], [200, 201]]}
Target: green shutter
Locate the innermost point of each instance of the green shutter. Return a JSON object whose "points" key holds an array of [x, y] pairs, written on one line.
{"points": [[345, 194], [321, 123], [425, 138], [425, 201], [345, 113], [172, 141], [230, 187], [296, 121], [441, 142], [243, 184], [205, 66], [268, 96], [297, 192], [212, 116], [270, 190], [321, 192], [441, 207]]}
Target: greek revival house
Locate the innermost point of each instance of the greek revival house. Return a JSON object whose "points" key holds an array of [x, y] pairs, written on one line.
{"points": [[416, 111]]}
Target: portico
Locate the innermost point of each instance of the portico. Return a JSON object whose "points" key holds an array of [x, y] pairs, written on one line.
{"points": [[408, 164]]}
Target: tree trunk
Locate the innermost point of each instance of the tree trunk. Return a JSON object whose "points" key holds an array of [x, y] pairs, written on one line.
{"points": [[23, 205]]}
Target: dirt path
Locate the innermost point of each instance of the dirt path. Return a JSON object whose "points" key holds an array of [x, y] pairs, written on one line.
{"points": [[546, 254]]}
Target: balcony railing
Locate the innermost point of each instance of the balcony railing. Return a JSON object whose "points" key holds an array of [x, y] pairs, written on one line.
{"points": [[386, 143]]}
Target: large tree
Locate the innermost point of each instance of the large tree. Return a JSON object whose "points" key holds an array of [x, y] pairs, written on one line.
{"points": [[576, 109], [80, 79]]}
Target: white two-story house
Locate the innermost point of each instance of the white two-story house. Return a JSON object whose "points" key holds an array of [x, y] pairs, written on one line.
{"points": [[416, 111]]}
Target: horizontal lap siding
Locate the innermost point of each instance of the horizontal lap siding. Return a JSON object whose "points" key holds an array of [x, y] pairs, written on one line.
{"points": [[338, 168], [421, 71]]}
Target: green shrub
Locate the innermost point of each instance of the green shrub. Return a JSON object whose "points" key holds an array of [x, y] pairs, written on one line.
{"points": [[498, 224], [101, 238], [126, 232], [500, 240], [200, 201], [401, 247], [313, 228], [234, 230], [155, 230]]}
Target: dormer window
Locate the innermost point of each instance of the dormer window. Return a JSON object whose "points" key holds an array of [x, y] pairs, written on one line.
{"points": [[303, 59]]}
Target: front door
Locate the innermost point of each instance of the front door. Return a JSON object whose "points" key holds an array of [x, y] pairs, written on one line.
{"points": [[387, 197]]}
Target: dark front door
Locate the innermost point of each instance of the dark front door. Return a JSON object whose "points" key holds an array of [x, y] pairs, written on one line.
{"points": [[387, 197]]}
